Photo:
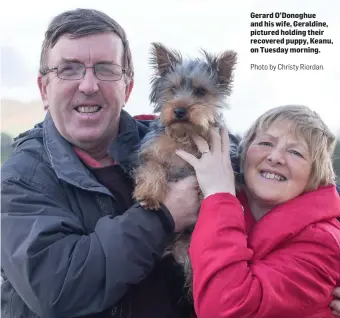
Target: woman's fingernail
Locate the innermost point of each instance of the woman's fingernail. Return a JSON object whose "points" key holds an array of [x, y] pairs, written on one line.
{"points": [[336, 293]]}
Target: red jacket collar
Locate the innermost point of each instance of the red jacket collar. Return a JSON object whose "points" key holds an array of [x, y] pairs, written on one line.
{"points": [[288, 219]]}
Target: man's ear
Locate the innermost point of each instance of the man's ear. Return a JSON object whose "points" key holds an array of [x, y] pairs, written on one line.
{"points": [[128, 89], [42, 84]]}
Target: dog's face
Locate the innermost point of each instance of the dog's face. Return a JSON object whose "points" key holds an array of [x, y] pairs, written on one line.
{"points": [[190, 91]]}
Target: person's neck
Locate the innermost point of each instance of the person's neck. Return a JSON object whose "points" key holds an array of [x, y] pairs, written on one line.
{"points": [[258, 210], [100, 151], [101, 156]]}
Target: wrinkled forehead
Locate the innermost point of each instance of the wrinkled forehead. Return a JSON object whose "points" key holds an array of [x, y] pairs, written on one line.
{"points": [[192, 73], [88, 49], [287, 129]]}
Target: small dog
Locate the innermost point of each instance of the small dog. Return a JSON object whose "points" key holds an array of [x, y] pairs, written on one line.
{"points": [[190, 96]]}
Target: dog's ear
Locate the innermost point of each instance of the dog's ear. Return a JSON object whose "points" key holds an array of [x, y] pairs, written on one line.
{"points": [[224, 64], [162, 59]]}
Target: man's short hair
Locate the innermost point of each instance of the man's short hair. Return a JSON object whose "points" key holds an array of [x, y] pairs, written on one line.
{"points": [[82, 22]]}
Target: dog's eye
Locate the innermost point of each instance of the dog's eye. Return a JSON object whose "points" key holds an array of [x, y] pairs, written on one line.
{"points": [[200, 91], [173, 90]]}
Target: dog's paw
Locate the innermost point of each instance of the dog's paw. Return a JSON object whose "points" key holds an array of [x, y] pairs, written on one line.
{"points": [[150, 204]]}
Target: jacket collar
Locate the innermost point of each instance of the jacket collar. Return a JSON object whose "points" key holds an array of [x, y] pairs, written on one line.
{"points": [[69, 167], [288, 219]]}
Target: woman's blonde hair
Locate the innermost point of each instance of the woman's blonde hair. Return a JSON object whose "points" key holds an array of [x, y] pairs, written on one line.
{"points": [[305, 123]]}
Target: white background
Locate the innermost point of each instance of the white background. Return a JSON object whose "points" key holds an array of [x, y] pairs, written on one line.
{"points": [[186, 25]]}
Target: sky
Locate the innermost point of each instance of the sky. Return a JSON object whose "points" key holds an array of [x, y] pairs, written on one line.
{"points": [[188, 26]]}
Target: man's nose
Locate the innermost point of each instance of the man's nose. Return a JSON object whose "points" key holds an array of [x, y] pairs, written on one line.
{"points": [[89, 84]]}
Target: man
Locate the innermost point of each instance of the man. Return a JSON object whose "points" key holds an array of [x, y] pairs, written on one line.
{"points": [[74, 243]]}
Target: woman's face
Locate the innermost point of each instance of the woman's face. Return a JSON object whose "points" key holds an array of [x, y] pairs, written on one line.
{"points": [[277, 166]]}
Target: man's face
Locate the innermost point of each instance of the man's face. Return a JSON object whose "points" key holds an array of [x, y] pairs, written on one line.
{"points": [[86, 111]]}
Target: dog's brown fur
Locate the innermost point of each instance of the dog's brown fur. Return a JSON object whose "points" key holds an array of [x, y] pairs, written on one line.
{"points": [[199, 89]]}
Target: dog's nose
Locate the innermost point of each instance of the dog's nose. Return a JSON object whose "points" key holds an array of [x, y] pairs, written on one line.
{"points": [[180, 112]]}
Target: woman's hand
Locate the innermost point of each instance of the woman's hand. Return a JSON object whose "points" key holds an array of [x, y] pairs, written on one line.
{"points": [[335, 304], [214, 171]]}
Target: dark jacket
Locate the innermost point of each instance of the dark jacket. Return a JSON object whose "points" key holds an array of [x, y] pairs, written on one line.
{"points": [[66, 252]]}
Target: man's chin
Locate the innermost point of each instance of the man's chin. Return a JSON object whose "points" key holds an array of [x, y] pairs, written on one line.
{"points": [[83, 136]]}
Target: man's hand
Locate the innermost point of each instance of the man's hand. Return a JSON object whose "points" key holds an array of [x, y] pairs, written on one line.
{"points": [[183, 203]]}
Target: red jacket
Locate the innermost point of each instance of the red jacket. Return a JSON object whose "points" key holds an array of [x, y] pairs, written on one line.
{"points": [[285, 265]]}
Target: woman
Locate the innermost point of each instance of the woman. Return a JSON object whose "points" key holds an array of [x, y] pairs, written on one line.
{"points": [[272, 251]]}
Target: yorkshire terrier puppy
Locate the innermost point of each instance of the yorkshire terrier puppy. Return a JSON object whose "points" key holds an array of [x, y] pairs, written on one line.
{"points": [[190, 97]]}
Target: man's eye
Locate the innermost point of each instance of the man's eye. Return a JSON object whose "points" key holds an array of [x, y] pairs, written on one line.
{"points": [[106, 69], [69, 68], [66, 68]]}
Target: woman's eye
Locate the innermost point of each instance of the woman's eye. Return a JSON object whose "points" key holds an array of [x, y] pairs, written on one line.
{"points": [[296, 153], [265, 143]]}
